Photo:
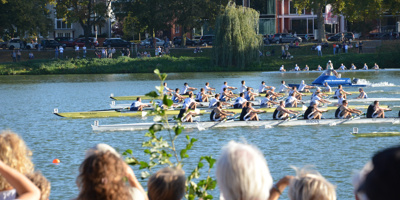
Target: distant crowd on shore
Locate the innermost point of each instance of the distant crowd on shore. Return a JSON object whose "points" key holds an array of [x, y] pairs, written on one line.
{"points": [[242, 173]]}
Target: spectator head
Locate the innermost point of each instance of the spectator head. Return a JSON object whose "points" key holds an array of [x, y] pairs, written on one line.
{"points": [[42, 183], [14, 153], [310, 185], [242, 172], [384, 179], [167, 183], [359, 178], [101, 176]]}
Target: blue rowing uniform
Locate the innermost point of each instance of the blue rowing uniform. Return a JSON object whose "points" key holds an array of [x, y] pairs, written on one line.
{"points": [[223, 97], [175, 99]]}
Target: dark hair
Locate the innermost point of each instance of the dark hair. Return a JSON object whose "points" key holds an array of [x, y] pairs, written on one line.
{"points": [[375, 102], [216, 95], [176, 90], [241, 94], [344, 101], [137, 99], [242, 81], [262, 82], [218, 103], [185, 83]]}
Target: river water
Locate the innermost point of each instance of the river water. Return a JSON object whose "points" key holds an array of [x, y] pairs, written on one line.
{"points": [[27, 103]]}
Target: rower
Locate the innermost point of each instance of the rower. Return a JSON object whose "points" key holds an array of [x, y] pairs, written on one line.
{"points": [[239, 101], [365, 66], [342, 67], [318, 92], [313, 112], [282, 69], [267, 101], [208, 89], [214, 101], [297, 68], [166, 90], [304, 88], [225, 95], [353, 67], [296, 93], [291, 101], [202, 96], [217, 114], [263, 87], [189, 103], [228, 87], [249, 113], [248, 95], [138, 105], [327, 87], [281, 112], [319, 68], [186, 89], [376, 66], [176, 97], [273, 94], [329, 65], [343, 111], [340, 90], [243, 88], [363, 94], [283, 88], [341, 99], [306, 68], [317, 99], [374, 111]]}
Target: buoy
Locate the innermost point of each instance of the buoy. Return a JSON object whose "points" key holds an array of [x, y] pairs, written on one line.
{"points": [[56, 161]]}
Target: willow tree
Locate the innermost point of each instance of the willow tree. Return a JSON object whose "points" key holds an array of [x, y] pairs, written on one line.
{"points": [[236, 41]]}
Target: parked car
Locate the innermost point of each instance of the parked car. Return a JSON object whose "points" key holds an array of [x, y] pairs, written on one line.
{"points": [[16, 44], [92, 41], [79, 42], [285, 38], [3, 45], [197, 38], [338, 37], [116, 42], [207, 39], [149, 42], [69, 42], [51, 44], [189, 42]]}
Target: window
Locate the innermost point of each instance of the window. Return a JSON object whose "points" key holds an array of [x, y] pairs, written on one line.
{"points": [[59, 34], [60, 24], [176, 28], [68, 35], [293, 10]]}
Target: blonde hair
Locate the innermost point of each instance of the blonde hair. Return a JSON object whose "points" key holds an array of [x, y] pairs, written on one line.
{"points": [[14, 153], [167, 183], [42, 183], [310, 185], [242, 173]]}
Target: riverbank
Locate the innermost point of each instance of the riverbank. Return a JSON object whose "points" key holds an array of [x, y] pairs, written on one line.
{"points": [[184, 60]]}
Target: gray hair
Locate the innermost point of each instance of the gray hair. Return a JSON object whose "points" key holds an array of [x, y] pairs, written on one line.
{"points": [[242, 173], [309, 184], [101, 147]]}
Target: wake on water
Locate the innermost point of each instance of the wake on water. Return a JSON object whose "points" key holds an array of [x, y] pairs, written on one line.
{"points": [[381, 84]]}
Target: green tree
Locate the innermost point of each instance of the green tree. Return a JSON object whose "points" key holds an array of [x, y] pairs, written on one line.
{"points": [[131, 25], [87, 13], [236, 41], [20, 17]]}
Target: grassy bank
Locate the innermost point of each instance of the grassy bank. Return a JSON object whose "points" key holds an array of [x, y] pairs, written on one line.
{"points": [[184, 60]]}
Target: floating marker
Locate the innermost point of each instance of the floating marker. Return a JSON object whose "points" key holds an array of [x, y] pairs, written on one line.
{"points": [[56, 161]]}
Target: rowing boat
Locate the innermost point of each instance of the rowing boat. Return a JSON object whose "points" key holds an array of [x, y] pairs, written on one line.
{"points": [[341, 71], [122, 113], [363, 100], [113, 105], [253, 124], [376, 134]]}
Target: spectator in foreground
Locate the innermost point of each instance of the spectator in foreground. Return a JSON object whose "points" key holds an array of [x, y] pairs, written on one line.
{"points": [[242, 173], [167, 183], [42, 183]]}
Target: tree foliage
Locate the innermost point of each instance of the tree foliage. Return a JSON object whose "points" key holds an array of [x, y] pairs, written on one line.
{"points": [[236, 41], [20, 17]]}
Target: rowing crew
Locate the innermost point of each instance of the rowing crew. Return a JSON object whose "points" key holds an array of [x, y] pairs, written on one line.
{"points": [[248, 113]]}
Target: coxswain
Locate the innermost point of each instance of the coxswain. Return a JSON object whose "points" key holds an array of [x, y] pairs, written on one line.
{"points": [[243, 87], [296, 93], [267, 101], [297, 68], [138, 105], [340, 90], [291, 101], [208, 89], [313, 112], [229, 88], [376, 66], [226, 95], [263, 88], [343, 111], [186, 89], [249, 113], [306, 68], [363, 94], [273, 94], [281, 112], [329, 65], [217, 114], [283, 88], [167, 90], [319, 68], [202, 96], [327, 87], [317, 99], [365, 66], [282, 69], [249, 95], [374, 111], [353, 67], [304, 88], [176, 97], [342, 67], [189, 103], [239, 102]]}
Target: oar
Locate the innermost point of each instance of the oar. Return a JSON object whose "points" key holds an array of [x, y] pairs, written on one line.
{"points": [[349, 119], [295, 117]]}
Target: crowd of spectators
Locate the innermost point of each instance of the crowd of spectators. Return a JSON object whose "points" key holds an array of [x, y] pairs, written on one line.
{"points": [[242, 174]]}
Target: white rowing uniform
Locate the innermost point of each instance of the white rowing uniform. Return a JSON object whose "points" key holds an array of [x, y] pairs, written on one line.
{"points": [[239, 102], [135, 105], [222, 88], [340, 101], [264, 102], [187, 103], [281, 69], [365, 67], [313, 95], [166, 90], [319, 68], [353, 67], [207, 88], [376, 67], [261, 89], [301, 87], [213, 103], [337, 93], [291, 92], [315, 100], [184, 89], [328, 88], [282, 88], [342, 67], [290, 101], [297, 68], [243, 88], [364, 96]]}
